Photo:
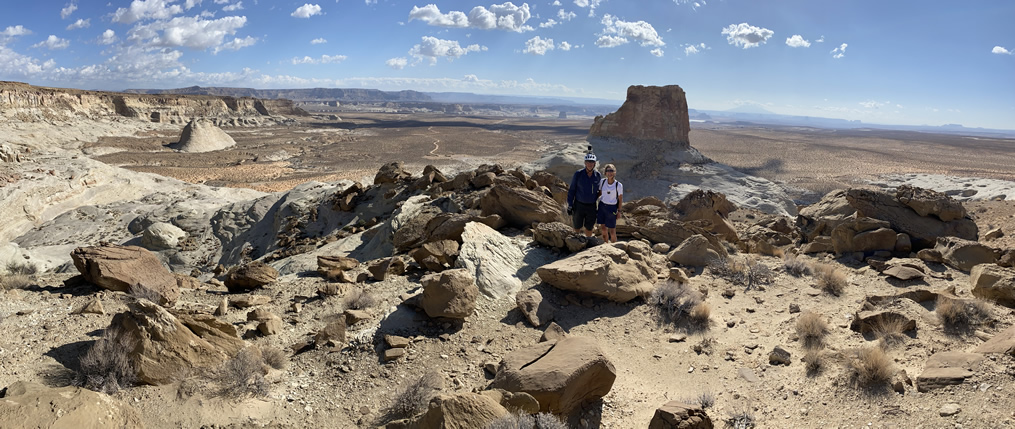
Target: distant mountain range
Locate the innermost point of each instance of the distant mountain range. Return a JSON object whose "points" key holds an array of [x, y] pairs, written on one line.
{"points": [[746, 113]]}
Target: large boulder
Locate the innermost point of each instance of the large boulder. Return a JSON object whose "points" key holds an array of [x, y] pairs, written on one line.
{"points": [[922, 230], [436, 255], [250, 276], [680, 415], [926, 202], [451, 294], [964, 254], [823, 216], [673, 232], [32, 405], [492, 259], [162, 236], [537, 310], [694, 252], [552, 234], [604, 271], [709, 206], [392, 172], [465, 410], [519, 206], [201, 135], [650, 113], [995, 283], [560, 374], [1003, 342], [167, 345], [863, 235], [120, 268]]}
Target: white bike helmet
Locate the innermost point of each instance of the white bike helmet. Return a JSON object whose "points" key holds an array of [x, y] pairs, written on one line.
{"points": [[590, 157]]}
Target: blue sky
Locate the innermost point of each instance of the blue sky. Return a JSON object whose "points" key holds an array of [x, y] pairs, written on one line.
{"points": [[891, 62]]}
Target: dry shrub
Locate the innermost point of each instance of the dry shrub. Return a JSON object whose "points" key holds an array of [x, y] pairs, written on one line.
{"points": [[528, 421], [889, 330], [706, 399], [241, 376], [358, 299], [705, 346], [749, 273], [106, 366], [812, 328], [813, 362], [960, 314], [830, 278], [681, 305], [796, 267], [741, 417], [274, 357], [18, 276], [871, 367], [413, 399]]}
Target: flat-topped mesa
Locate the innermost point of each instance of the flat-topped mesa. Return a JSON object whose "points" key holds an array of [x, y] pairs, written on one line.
{"points": [[650, 114]]}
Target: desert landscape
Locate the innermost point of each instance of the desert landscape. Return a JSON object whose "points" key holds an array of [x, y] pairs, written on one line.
{"points": [[410, 266]]}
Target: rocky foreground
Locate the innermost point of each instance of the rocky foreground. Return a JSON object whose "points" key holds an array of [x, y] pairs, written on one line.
{"points": [[462, 300]]}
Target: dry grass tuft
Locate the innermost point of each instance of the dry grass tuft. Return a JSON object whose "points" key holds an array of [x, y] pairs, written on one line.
{"points": [[106, 366], [274, 357], [889, 330], [413, 399], [706, 399], [528, 421], [960, 314], [18, 276], [241, 376], [812, 328], [749, 273], [813, 362], [358, 299], [679, 304], [741, 417], [797, 267], [871, 367], [830, 278]]}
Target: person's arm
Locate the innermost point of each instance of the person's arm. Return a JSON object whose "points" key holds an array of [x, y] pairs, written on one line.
{"points": [[572, 189], [620, 198]]}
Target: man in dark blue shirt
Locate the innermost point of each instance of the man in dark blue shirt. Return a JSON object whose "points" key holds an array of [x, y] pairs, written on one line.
{"points": [[582, 195]]}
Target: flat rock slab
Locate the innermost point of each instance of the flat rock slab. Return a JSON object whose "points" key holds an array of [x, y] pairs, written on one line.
{"points": [[1001, 343], [936, 378], [962, 360]]}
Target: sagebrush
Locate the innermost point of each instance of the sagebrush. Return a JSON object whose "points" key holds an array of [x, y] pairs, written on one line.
{"points": [[796, 267], [412, 399], [241, 376], [358, 299], [871, 367], [106, 367], [679, 304], [749, 273], [961, 314], [528, 421], [830, 279]]}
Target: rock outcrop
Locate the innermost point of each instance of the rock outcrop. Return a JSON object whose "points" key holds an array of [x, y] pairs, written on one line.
{"points": [[121, 268], [650, 114], [605, 271], [201, 135], [897, 211], [32, 405]]}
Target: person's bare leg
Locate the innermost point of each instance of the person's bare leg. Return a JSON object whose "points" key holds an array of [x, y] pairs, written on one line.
{"points": [[613, 235], [606, 234]]}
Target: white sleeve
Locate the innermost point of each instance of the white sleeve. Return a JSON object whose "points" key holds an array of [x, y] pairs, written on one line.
{"points": [[620, 188]]}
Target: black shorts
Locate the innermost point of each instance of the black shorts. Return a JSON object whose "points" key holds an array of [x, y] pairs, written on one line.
{"points": [[584, 215]]}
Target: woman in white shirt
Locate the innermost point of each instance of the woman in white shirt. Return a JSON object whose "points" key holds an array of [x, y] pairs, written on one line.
{"points": [[611, 198]]}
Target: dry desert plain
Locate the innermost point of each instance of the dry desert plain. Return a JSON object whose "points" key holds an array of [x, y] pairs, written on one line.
{"points": [[41, 339]]}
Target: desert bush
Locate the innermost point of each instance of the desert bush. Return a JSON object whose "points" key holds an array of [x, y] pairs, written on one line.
{"points": [[960, 314], [706, 399], [358, 299], [106, 366], [274, 357], [890, 331], [741, 417], [18, 276], [412, 399], [241, 376], [811, 328], [871, 367], [749, 273], [830, 278], [528, 421], [679, 304], [796, 267], [813, 362]]}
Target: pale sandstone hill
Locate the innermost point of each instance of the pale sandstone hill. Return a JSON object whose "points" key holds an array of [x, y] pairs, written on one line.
{"points": [[201, 135]]}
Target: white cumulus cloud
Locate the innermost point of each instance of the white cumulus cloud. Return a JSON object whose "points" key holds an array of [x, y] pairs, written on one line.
{"points": [[548, 24], [997, 50], [191, 32], [81, 23], [821, 39], [565, 15], [564, 46], [146, 9], [108, 37], [237, 6], [431, 48], [839, 52], [235, 44], [608, 41], [746, 35], [17, 30], [694, 49], [189, 4], [639, 31], [306, 11], [397, 63], [504, 16], [591, 4], [325, 59], [538, 46], [53, 42], [318, 41], [68, 10], [657, 52], [798, 41]]}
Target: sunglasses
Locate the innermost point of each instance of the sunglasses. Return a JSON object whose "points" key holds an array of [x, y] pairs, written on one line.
{"points": [[610, 171]]}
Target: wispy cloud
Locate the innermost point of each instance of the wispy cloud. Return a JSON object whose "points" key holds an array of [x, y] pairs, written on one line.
{"points": [[232, 7], [565, 15], [81, 23], [694, 49], [549, 23], [1000, 50], [17, 30], [746, 35], [325, 59], [657, 52], [874, 104], [591, 4], [306, 11], [53, 42], [839, 52], [564, 46], [798, 41], [318, 41], [504, 16], [68, 10], [397, 63]]}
